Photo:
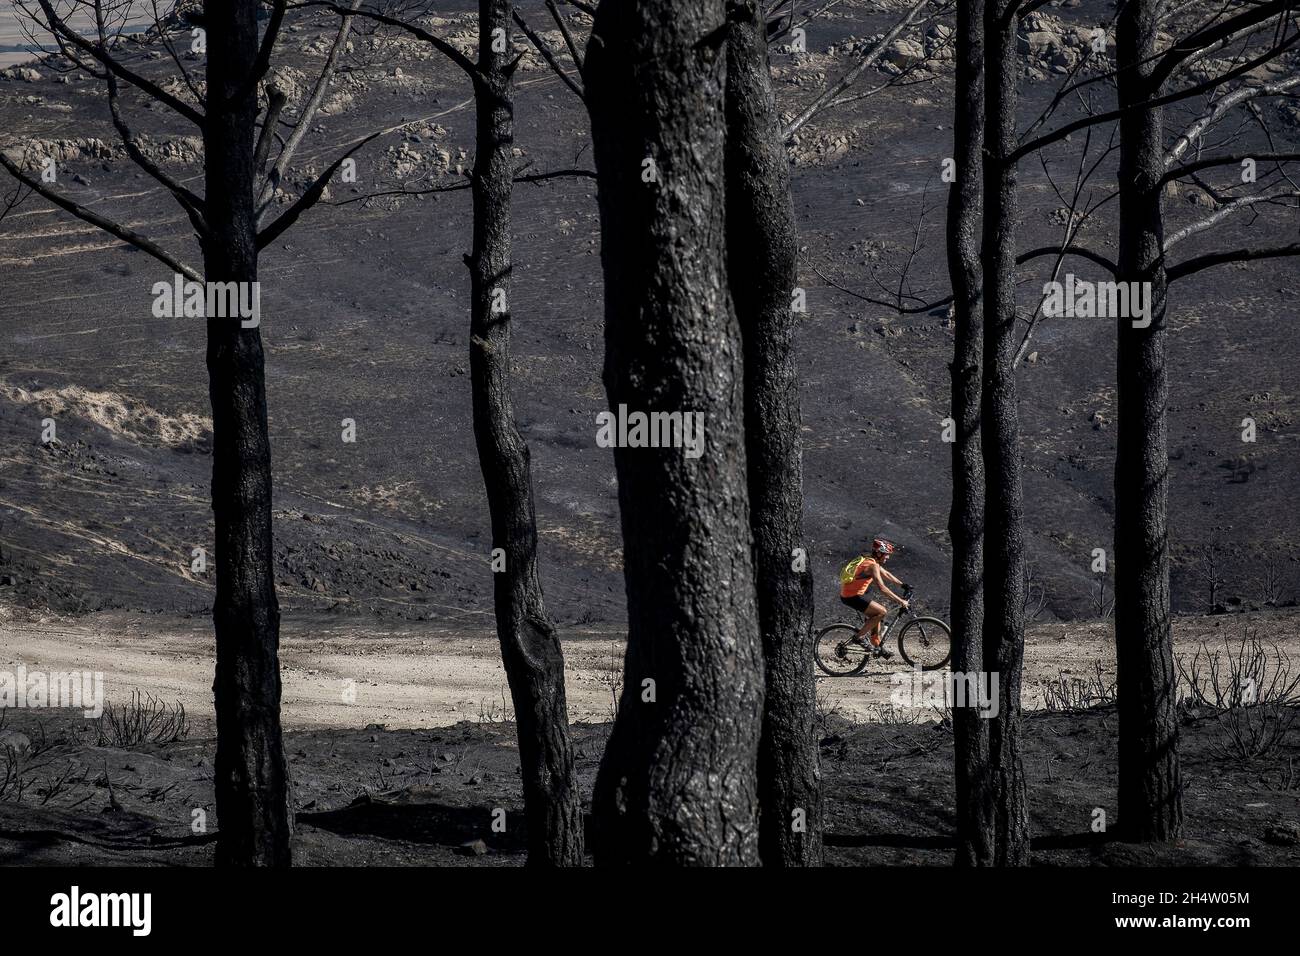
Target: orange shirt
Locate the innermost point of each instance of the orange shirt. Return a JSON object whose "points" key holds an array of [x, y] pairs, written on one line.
{"points": [[856, 581]]}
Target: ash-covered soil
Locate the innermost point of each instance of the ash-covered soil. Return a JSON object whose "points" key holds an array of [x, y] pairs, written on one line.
{"points": [[378, 796], [411, 765], [375, 796], [364, 308]]}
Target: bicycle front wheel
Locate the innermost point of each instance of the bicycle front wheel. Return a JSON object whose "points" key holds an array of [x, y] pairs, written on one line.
{"points": [[925, 642], [837, 654]]}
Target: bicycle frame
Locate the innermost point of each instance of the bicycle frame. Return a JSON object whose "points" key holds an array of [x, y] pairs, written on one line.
{"points": [[888, 624], [900, 613]]}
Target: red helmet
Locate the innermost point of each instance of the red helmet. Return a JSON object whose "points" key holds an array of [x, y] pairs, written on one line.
{"points": [[882, 548]]}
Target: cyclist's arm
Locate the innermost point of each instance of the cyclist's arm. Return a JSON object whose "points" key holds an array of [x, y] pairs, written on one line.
{"points": [[889, 577], [879, 576]]}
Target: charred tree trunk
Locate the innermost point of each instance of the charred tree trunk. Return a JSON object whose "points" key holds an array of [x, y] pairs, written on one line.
{"points": [[252, 785], [975, 799], [677, 785], [1150, 797], [761, 251], [1004, 546], [530, 649]]}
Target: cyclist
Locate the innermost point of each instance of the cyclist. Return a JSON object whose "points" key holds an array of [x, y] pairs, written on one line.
{"points": [[856, 579]]}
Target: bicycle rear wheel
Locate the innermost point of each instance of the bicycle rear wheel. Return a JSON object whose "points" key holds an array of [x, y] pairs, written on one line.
{"points": [[925, 642], [837, 655]]}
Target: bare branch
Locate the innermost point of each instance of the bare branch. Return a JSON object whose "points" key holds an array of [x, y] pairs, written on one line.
{"points": [[441, 45], [305, 117], [190, 202], [274, 107], [117, 230], [1211, 84], [308, 198], [896, 305], [1182, 50], [1192, 266], [865, 62], [549, 56], [263, 62], [1220, 108], [171, 51], [1235, 159], [1071, 250], [13, 201], [1245, 202], [564, 32], [791, 23], [59, 28]]}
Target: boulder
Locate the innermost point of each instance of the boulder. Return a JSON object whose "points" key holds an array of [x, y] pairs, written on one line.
{"points": [[904, 54]]}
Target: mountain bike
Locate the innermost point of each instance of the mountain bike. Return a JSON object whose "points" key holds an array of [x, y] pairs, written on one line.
{"points": [[924, 642]]}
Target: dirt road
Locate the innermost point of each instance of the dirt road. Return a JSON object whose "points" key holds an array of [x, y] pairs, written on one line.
{"points": [[345, 672]]}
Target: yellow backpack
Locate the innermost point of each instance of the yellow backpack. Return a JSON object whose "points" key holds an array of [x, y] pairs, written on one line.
{"points": [[850, 570]]}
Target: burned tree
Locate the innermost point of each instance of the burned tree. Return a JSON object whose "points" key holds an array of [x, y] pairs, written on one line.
{"points": [[252, 779], [975, 835], [252, 785], [1003, 629], [1148, 739], [761, 246], [678, 781], [761, 252], [1150, 785], [530, 648], [1150, 801]]}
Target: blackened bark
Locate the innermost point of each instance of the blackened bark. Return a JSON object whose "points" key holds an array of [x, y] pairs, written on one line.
{"points": [[1004, 547], [975, 797], [761, 253], [530, 649], [1150, 797], [252, 786], [678, 783]]}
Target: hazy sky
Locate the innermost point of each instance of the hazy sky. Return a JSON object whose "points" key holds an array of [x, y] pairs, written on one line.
{"points": [[12, 41], [10, 38]]}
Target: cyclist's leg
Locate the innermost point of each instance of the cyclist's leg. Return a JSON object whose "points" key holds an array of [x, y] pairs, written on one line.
{"points": [[875, 616], [872, 615], [862, 606]]}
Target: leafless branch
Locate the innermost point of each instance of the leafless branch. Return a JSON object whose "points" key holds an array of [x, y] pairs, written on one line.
{"points": [[442, 46], [549, 56], [574, 53], [1245, 202], [115, 229], [1060, 133], [865, 61], [305, 116], [59, 28], [308, 198]]}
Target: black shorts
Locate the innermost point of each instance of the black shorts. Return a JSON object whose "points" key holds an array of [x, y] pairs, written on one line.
{"points": [[858, 603]]}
